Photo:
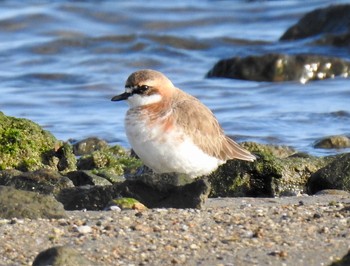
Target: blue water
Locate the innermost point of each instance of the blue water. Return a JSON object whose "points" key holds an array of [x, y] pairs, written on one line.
{"points": [[62, 61]]}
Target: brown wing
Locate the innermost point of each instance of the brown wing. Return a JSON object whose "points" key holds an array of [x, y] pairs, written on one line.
{"points": [[191, 114]]}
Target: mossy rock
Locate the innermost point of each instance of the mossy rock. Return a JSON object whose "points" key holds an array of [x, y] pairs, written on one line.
{"points": [[274, 173], [240, 178], [25, 146], [296, 171], [114, 160]]}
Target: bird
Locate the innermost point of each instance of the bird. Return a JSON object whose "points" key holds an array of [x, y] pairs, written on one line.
{"points": [[171, 131]]}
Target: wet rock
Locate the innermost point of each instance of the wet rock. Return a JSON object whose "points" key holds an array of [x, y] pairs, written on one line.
{"points": [[85, 177], [97, 198], [25, 204], [279, 67], [44, 181], [89, 145], [335, 175], [330, 24], [60, 256], [268, 176], [333, 142]]}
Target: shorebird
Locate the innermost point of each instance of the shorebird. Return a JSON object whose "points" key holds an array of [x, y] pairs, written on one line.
{"points": [[172, 131]]}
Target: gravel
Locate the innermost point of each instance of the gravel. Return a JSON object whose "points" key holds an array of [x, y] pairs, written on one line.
{"points": [[305, 230]]}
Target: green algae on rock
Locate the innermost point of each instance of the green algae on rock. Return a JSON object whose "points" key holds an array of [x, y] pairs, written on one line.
{"points": [[276, 172], [25, 146], [127, 203], [114, 160]]}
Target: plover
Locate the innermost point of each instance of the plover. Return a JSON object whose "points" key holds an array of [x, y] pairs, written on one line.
{"points": [[172, 131]]}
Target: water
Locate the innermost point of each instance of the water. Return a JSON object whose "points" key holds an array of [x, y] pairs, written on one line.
{"points": [[62, 61]]}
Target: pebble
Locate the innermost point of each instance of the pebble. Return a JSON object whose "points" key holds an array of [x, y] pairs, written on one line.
{"points": [[83, 229], [114, 208]]}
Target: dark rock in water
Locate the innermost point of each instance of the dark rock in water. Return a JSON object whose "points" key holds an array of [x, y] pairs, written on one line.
{"points": [[44, 181], [89, 145], [335, 175], [333, 142], [327, 26], [24, 204], [279, 67], [60, 256], [191, 195], [331, 23]]}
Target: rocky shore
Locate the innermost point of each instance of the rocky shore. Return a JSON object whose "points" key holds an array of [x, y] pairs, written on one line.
{"points": [[88, 203]]}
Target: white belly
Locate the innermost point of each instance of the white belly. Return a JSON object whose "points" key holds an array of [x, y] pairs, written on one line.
{"points": [[168, 152]]}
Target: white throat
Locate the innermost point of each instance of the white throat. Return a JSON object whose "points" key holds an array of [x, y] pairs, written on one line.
{"points": [[137, 100]]}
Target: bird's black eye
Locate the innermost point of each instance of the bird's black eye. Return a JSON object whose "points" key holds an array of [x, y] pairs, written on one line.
{"points": [[140, 89]]}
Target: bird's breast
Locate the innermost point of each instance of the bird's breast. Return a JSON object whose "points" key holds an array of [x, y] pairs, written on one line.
{"points": [[144, 125]]}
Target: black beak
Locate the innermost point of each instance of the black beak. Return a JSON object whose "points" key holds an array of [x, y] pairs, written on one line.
{"points": [[121, 97]]}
